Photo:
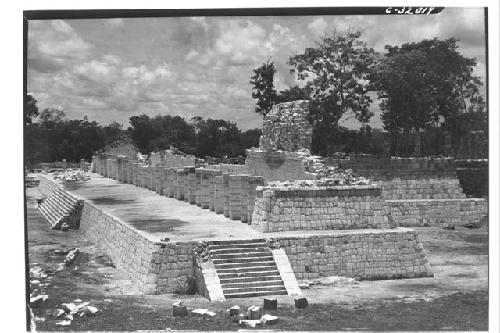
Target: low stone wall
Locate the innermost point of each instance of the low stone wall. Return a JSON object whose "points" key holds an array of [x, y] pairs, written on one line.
{"points": [[364, 254], [319, 208], [46, 186], [419, 213], [421, 188], [276, 165]]}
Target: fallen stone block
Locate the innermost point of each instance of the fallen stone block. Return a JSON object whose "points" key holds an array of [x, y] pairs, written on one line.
{"points": [[268, 319], [64, 227], [304, 285], [203, 313], [270, 304], [249, 323], [301, 302], [63, 323], [234, 310], [179, 309], [449, 227], [71, 257], [38, 300], [70, 307], [253, 312]]}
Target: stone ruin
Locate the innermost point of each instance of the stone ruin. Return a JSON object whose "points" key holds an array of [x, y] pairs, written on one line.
{"points": [[286, 127], [321, 219]]}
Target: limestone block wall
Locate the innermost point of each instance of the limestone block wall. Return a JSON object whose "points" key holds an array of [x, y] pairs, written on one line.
{"points": [[418, 213], [155, 267], [422, 188], [365, 254], [130, 251], [275, 165], [319, 208], [287, 128]]}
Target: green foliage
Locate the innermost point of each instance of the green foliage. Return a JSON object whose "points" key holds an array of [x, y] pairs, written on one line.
{"points": [[337, 72], [51, 116], [30, 108], [294, 93], [425, 84], [201, 137], [263, 87], [70, 139]]}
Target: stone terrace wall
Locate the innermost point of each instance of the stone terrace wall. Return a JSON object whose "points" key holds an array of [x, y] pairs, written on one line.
{"points": [[276, 165], [419, 213], [406, 178], [319, 208], [156, 268], [365, 254], [287, 128]]}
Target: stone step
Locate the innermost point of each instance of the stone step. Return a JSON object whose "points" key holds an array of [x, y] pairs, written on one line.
{"points": [[55, 205], [237, 241], [229, 274], [239, 250], [245, 279], [219, 255], [63, 196], [246, 265], [237, 246], [250, 260], [254, 293], [246, 269], [253, 284], [53, 213]]}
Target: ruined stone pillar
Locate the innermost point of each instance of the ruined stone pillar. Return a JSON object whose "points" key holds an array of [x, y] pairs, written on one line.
{"points": [[253, 182], [205, 186], [225, 177], [236, 195], [198, 173], [64, 164], [191, 185], [211, 189], [219, 194], [171, 173]]}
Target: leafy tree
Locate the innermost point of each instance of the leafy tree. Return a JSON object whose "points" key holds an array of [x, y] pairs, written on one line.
{"points": [[30, 108], [424, 84], [263, 87], [337, 72], [50, 116], [294, 93]]}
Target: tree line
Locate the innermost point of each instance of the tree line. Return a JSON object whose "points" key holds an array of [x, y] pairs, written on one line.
{"points": [[424, 87], [50, 136]]}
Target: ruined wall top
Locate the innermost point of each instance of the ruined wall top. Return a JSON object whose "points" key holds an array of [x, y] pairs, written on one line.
{"points": [[287, 128], [122, 145]]}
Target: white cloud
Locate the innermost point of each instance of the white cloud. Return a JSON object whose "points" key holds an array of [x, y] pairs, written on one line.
{"points": [[202, 21], [115, 22], [318, 26], [192, 54]]}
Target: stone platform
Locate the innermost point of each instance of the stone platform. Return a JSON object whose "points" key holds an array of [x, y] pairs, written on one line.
{"points": [[151, 238]]}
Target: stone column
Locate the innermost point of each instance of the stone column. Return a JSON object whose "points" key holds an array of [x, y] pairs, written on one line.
{"points": [[219, 194], [198, 173], [191, 185], [64, 164], [253, 182], [211, 190], [225, 177], [236, 195], [205, 186]]}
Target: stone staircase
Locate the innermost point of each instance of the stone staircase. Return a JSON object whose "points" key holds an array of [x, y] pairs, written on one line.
{"points": [[246, 268], [60, 207]]}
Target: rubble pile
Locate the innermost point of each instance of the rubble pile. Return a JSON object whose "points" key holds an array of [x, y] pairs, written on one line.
{"points": [[72, 175]]}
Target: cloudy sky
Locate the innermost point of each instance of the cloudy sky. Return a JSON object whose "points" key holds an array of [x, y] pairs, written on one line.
{"points": [[110, 69]]}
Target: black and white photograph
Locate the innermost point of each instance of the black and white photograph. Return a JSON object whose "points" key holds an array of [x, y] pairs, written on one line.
{"points": [[261, 168]]}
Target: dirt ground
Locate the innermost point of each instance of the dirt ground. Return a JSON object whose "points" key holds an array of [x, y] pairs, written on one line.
{"points": [[456, 298]]}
